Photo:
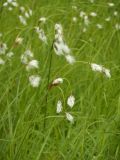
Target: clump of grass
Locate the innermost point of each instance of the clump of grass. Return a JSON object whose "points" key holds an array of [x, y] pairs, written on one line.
{"points": [[59, 80]]}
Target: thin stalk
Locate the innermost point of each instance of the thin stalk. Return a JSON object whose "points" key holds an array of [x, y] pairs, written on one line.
{"points": [[48, 81]]}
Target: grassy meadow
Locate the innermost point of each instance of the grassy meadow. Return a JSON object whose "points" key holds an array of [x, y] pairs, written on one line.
{"points": [[87, 32]]}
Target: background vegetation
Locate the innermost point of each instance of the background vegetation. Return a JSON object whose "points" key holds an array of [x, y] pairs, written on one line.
{"points": [[95, 134]]}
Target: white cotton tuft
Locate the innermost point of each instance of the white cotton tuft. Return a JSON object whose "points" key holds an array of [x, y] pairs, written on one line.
{"points": [[22, 20], [100, 68], [99, 26], [34, 80], [28, 53], [33, 64], [108, 19], [57, 81], [117, 26], [107, 72], [26, 56], [96, 67], [115, 13], [69, 117], [93, 14], [71, 101], [59, 107], [111, 4], [10, 54], [19, 40], [2, 62], [41, 34], [74, 19], [42, 19], [70, 59], [3, 48]]}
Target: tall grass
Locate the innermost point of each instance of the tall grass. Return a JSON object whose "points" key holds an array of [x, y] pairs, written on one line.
{"points": [[30, 128]]}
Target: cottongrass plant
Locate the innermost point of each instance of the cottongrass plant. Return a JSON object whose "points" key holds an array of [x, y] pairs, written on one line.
{"points": [[40, 30], [101, 69], [59, 106], [55, 82], [25, 14], [41, 34], [70, 103], [10, 4], [5, 54], [60, 46], [10, 54], [85, 20], [69, 117], [3, 48], [45, 120], [34, 80], [18, 40], [31, 64]]}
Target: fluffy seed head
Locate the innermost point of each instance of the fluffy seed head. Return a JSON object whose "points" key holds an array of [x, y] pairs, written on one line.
{"points": [[34, 80], [82, 14], [26, 56], [10, 54], [22, 20], [28, 53], [42, 19], [3, 48], [2, 62], [96, 67], [93, 14], [99, 26], [100, 68], [57, 81], [111, 4], [108, 19], [58, 27], [59, 107], [115, 13], [74, 19], [117, 26], [33, 64], [70, 59], [19, 40], [69, 117], [71, 101]]}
